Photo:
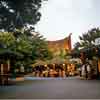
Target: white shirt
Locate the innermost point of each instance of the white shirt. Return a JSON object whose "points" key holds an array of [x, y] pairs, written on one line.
{"points": [[88, 68]]}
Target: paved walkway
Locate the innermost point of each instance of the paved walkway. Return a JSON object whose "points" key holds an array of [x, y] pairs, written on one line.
{"points": [[43, 78], [36, 88]]}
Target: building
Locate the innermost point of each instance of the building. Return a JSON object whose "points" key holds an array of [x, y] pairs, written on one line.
{"points": [[59, 46]]}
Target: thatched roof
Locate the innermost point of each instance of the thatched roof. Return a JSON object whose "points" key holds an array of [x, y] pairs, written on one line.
{"points": [[57, 60], [77, 60], [39, 62]]}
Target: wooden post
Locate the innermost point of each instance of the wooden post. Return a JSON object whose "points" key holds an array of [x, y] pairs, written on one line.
{"points": [[2, 73], [8, 63], [1, 69], [54, 66]]}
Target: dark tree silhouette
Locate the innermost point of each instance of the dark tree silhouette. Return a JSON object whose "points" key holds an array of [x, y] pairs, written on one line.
{"points": [[19, 13]]}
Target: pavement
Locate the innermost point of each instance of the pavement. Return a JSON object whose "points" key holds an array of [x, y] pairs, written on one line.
{"points": [[52, 88], [28, 77]]}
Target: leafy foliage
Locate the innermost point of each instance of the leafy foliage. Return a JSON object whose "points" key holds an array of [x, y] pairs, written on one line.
{"points": [[19, 13], [87, 43], [40, 48], [88, 39], [26, 49], [6, 39]]}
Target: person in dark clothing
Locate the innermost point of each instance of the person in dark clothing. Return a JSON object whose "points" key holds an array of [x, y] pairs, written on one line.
{"points": [[80, 71]]}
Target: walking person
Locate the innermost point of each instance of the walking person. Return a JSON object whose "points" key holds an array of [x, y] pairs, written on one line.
{"points": [[80, 71], [83, 71], [88, 71]]}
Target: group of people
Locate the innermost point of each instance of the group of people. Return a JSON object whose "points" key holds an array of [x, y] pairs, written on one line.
{"points": [[53, 71], [50, 73], [85, 71]]}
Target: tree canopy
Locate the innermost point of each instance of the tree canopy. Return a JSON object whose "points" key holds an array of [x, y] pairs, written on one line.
{"points": [[88, 39], [19, 13], [23, 50], [87, 43]]}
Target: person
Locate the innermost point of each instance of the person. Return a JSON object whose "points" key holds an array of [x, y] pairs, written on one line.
{"points": [[80, 71], [51, 73], [88, 71], [63, 73], [83, 72], [60, 72]]}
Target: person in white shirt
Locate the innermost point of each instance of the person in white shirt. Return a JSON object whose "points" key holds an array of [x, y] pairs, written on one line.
{"points": [[83, 71], [88, 71]]}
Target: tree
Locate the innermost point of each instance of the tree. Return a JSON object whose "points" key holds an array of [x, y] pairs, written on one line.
{"points": [[19, 13], [63, 53], [6, 39], [88, 39], [24, 50], [86, 45], [8, 46], [40, 48]]}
